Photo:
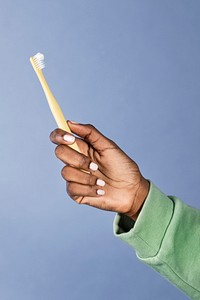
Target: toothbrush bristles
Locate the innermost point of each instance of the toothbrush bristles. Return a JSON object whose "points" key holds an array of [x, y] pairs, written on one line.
{"points": [[39, 60]]}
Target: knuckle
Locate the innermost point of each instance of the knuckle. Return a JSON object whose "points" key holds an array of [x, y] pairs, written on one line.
{"points": [[91, 180], [90, 126], [51, 136], [112, 143], [64, 172], [59, 150], [90, 190], [69, 189], [82, 161], [90, 129]]}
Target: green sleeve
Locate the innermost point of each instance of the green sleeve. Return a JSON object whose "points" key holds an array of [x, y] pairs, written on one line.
{"points": [[166, 236]]}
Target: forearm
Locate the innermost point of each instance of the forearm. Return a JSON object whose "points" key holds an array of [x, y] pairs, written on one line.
{"points": [[166, 236]]}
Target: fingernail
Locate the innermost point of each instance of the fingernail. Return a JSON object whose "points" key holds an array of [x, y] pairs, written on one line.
{"points": [[93, 166], [100, 182], [69, 138], [100, 192], [73, 122]]}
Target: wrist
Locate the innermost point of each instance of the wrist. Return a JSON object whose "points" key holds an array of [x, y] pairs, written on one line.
{"points": [[139, 198]]}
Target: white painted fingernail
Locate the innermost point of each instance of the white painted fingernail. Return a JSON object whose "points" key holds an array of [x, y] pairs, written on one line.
{"points": [[100, 192], [93, 166], [100, 182], [69, 138]]}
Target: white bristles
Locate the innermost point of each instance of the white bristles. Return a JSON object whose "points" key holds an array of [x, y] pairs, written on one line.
{"points": [[39, 60]]}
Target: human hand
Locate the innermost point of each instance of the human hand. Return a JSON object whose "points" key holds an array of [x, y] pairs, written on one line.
{"points": [[101, 175]]}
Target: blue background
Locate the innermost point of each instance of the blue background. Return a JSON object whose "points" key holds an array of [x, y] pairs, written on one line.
{"points": [[132, 69]]}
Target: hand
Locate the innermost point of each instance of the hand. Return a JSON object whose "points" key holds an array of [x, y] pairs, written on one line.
{"points": [[101, 175]]}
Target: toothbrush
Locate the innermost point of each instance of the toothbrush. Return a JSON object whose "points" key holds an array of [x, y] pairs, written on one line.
{"points": [[38, 64]]}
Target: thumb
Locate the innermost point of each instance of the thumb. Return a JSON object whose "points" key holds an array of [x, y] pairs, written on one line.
{"points": [[91, 135]]}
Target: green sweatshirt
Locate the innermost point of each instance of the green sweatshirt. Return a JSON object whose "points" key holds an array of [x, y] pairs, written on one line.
{"points": [[166, 236]]}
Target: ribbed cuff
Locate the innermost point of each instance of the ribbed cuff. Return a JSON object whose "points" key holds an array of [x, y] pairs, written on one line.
{"points": [[146, 234]]}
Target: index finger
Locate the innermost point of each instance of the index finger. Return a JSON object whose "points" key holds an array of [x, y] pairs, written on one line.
{"points": [[61, 137]]}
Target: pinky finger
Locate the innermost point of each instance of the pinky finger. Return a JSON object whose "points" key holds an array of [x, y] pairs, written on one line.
{"points": [[75, 190]]}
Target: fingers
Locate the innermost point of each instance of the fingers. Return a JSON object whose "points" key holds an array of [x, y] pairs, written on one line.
{"points": [[75, 175], [87, 132], [82, 184], [91, 135], [59, 136], [71, 157], [78, 190]]}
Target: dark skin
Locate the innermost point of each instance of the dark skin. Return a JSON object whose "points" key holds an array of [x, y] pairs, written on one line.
{"points": [[117, 185]]}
